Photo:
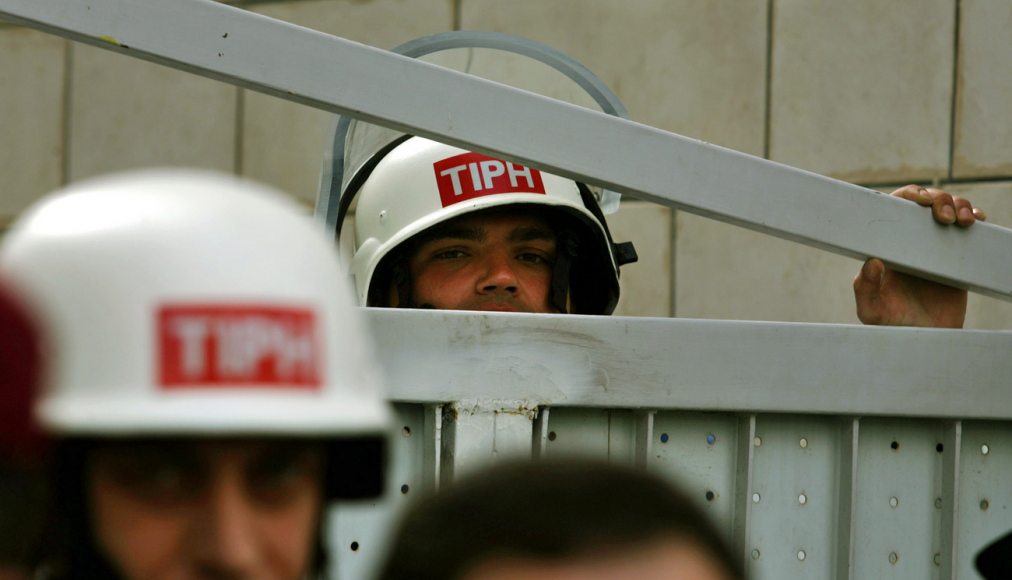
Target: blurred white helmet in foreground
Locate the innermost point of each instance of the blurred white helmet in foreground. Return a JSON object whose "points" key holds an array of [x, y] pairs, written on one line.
{"points": [[177, 302]]}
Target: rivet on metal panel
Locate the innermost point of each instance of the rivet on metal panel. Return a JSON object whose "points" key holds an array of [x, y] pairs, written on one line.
{"points": [[405, 489], [894, 501], [938, 502], [895, 445], [939, 448], [664, 437], [984, 504], [756, 497], [710, 495], [552, 435], [803, 443], [984, 449], [354, 546], [893, 557], [802, 499], [383, 215], [937, 559], [711, 439], [755, 554], [801, 555], [758, 441], [406, 431]]}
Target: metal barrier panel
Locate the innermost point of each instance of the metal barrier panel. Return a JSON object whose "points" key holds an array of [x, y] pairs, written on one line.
{"points": [[599, 433], [859, 461], [898, 514], [984, 503], [793, 497], [357, 532], [698, 452], [798, 495]]}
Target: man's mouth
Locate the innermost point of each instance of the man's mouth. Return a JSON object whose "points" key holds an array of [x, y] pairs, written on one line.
{"points": [[496, 307]]}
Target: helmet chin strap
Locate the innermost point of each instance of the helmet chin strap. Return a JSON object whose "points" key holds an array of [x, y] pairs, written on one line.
{"points": [[567, 248], [401, 280]]}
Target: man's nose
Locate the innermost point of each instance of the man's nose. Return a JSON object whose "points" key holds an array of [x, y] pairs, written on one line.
{"points": [[499, 273], [223, 536]]}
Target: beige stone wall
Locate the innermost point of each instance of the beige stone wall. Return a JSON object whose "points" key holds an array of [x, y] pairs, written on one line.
{"points": [[878, 93]]}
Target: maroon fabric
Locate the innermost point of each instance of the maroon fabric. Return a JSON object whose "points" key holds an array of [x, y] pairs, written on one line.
{"points": [[20, 372]]}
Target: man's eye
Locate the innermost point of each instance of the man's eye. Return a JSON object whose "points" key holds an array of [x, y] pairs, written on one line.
{"points": [[278, 479], [534, 258], [158, 482], [449, 254]]}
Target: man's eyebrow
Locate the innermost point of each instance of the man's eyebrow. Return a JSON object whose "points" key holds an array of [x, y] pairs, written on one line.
{"points": [[532, 233], [472, 234]]}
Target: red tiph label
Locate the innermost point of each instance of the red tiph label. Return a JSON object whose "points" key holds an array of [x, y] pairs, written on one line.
{"points": [[266, 346], [470, 175]]}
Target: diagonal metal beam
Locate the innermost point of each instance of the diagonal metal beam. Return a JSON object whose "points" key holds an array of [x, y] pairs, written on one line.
{"points": [[334, 74]]}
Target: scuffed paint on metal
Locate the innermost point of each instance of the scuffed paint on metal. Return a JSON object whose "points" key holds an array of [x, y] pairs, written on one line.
{"points": [[528, 409]]}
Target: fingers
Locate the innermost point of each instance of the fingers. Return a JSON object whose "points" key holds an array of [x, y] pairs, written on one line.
{"points": [[945, 207], [942, 207], [914, 193], [867, 287], [964, 211], [870, 277]]}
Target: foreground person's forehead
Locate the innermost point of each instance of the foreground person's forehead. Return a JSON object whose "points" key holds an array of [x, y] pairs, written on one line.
{"points": [[157, 447]]}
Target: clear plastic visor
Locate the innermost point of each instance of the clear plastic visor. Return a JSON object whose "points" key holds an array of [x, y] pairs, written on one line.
{"points": [[510, 60]]}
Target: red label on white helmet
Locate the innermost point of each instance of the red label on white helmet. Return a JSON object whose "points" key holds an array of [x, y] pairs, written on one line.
{"points": [[210, 346], [470, 175]]}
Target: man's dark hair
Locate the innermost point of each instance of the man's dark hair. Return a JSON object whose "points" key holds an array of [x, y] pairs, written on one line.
{"points": [[546, 510]]}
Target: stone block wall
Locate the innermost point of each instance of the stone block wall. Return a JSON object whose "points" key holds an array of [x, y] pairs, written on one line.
{"points": [[876, 93]]}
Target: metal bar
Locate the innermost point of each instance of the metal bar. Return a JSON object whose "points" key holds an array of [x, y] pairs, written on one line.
{"points": [[621, 440], [950, 500], [644, 437], [846, 499], [661, 363], [330, 73], [741, 536], [433, 437], [540, 436], [478, 433]]}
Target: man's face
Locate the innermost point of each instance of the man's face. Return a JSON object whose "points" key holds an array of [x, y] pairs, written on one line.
{"points": [[500, 261], [207, 509]]}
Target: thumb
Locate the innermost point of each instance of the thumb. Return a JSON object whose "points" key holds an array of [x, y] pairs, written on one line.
{"points": [[869, 279], [867, 286]]}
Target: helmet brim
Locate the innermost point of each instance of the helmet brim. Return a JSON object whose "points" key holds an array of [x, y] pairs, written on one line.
{"points": [[201, 413]]}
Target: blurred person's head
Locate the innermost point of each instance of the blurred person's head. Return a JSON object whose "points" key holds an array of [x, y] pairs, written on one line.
{"points": [[207, 385], [558, 520], [994, 561]]}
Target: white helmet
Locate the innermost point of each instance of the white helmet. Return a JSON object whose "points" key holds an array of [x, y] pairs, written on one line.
{"points": [[414, 184], [176, 302]]}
